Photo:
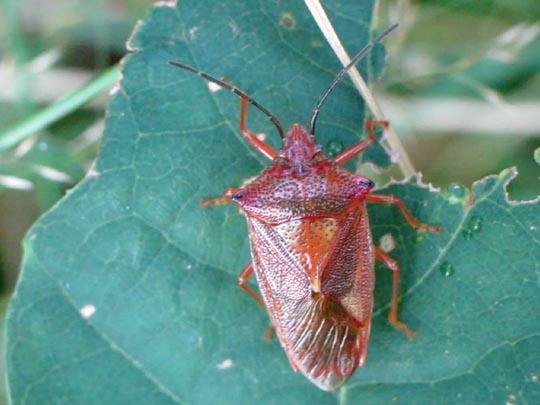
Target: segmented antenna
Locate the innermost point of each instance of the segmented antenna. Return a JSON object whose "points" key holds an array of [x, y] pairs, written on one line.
{"points": [[342, 73], [236, 91]]}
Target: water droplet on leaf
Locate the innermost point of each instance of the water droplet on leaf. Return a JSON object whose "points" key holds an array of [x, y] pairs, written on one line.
{"points": [[334, 148], [457, 190], [457, 193], [474, 226], [475, 223], [447, 269]]}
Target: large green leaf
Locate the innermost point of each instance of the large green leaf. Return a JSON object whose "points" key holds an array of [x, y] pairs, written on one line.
{"points": [[128, 292]]}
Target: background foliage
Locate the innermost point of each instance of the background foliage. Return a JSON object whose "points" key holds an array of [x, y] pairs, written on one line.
{"points": [[432, 72]]}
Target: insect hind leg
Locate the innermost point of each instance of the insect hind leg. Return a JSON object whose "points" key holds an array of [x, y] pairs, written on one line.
{"points": [[393, 318], [362, 343], [242, 283]]}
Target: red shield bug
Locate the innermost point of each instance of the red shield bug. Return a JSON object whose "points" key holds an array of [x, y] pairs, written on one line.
{"points": [[311, 246]]}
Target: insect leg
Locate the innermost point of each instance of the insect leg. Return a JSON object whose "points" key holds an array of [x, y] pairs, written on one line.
{"points": [[393, 315], [391, 199], [362, 343], [261, 146], [227, 195], [361, 146], [243, 277], [237, 91]]}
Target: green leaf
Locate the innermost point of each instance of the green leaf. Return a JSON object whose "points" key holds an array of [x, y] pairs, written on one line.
{"points": [[128, 292]]}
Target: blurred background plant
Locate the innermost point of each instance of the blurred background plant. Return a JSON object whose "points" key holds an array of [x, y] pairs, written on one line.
{"points": [[462, 90]]}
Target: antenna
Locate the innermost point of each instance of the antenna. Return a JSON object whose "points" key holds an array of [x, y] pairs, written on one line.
{"points": [[236, 91], [342, 73]]}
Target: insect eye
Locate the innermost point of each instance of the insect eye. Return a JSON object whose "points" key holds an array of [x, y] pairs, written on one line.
{"points": [[237, 196], [366, 183]]}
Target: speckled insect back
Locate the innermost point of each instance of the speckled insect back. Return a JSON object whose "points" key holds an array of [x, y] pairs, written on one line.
{"points": [[311, 245]]}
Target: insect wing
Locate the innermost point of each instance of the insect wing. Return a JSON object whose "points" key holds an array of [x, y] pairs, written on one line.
{"points": [[324, 333]]}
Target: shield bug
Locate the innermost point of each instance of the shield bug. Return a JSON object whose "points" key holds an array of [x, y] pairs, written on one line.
{"points": [[311, 246]]}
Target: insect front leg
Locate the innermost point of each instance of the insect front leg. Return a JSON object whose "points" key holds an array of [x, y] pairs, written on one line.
{"points": [[261, 146], [361, 146], [393, 314]]}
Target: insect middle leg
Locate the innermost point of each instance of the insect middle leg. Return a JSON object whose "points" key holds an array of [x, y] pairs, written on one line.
{"points": [[389, 262], [392, 199], [225, 199]]}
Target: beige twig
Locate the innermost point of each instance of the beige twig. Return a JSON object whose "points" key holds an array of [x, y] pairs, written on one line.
{"points": [[394, 144]]}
